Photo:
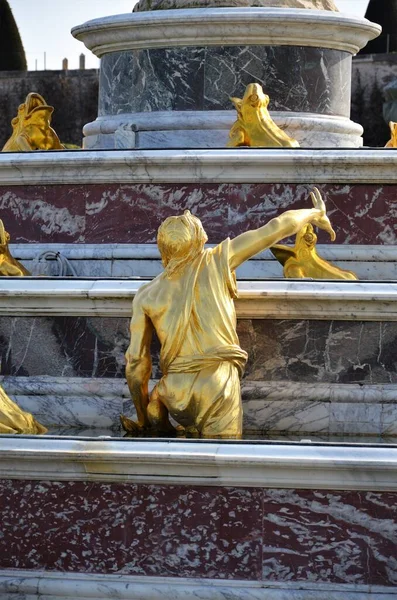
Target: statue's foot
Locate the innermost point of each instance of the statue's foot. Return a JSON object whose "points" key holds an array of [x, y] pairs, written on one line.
{"points": [[131, 426], [160, 428]]}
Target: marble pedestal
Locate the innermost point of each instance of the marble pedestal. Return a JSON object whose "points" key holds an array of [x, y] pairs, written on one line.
{"points": [[167, 76]]}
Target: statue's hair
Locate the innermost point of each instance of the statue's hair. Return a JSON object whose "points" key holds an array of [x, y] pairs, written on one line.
{"points": [[179, 245]]}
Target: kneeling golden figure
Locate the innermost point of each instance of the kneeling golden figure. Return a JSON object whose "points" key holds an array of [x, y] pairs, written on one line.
{"points": [[32, 127], [303, 261], [190, 306], [254, 125]]}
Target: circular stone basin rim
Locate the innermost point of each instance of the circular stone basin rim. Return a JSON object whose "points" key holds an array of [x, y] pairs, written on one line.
{"points": [[220, 119], [226, 27]]}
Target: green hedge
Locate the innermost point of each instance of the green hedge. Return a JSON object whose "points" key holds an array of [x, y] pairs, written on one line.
{"points": [[12, 54]]}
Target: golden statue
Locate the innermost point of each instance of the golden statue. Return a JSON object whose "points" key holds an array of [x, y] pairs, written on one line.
{"points": [[9, 266], [303, 261], [32, 127], [191, 307], [15, 420], [392, 143], [254, 125]]}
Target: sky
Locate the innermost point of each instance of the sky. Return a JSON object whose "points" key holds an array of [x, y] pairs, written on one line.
{"points": [[45, 27]]}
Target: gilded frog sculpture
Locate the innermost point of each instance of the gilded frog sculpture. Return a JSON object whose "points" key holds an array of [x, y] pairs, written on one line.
{"points": [[392, 143], [303, 261], [254, 125], [9, 266], [32, 127]]}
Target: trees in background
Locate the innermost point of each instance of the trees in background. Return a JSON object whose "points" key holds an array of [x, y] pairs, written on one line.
{"points": [[383, 12], [12, 54]]}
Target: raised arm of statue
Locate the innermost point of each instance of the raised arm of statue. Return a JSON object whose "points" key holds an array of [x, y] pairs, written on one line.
{"points": [[289, 223], [139, 363]]}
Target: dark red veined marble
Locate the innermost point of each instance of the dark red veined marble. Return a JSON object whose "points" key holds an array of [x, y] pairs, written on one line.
{"points": [[216, 532], [44, 213], [123, 528], [323, 536], [361, 214]]}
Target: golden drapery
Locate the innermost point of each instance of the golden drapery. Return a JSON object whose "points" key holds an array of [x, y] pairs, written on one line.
{"points": [[201, 359], [15, 420]]}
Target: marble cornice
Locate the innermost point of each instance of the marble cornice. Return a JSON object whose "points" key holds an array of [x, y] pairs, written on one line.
{"points": [[199, 462], [36, 585], [249, 165], [231, 26], [262, 299]]}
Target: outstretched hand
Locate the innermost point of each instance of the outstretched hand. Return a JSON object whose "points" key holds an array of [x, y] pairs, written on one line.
{"points": [[321, 220]]}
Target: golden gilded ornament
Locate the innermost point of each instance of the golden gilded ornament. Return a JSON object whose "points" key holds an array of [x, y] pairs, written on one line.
{"points": [[32, 127], [392, 143], [190, 306], [15, 420], [303, 261], [254, 125], [9, 266]]}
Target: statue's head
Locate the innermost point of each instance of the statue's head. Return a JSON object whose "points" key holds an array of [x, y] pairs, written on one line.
{"points": [[254, 97], [38, 127], [180, 239], [306, 238]]}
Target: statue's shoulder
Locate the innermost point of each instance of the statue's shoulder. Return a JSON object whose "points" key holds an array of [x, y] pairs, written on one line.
{"points": [[147, 290]]}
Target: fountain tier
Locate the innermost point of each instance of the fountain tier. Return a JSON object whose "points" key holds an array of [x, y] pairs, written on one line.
{"points": [[167, 76]]}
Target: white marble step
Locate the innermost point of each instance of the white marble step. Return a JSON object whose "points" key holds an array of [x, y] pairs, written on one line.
{"points": [[267, 299]]}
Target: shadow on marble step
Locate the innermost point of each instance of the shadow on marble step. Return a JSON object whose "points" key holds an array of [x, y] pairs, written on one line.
{"points": [[248, 436]]}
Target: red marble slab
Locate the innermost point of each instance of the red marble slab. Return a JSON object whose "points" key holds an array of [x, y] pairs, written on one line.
{"points": [[104, 213], [44, 213], [217, 532], [134, 529], [361, 214], [333, 537]]}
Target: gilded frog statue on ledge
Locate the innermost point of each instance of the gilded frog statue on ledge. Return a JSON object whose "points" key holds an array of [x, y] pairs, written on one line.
{"points": [[190, 306], [392, 143], [32, 127], [303, 261], [254, 125], [9, 266]]}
